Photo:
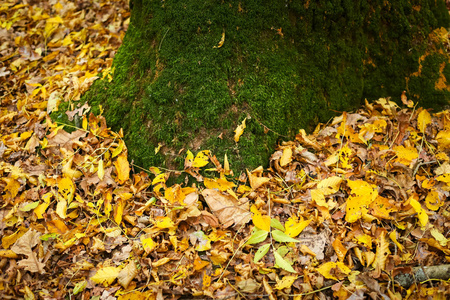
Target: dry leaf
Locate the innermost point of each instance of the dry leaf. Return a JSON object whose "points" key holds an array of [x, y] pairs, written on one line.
{"points": [[228, 210], [24, 245]]}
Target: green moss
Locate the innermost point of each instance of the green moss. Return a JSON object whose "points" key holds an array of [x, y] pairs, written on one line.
{"points": [[284, 65], [61, 118]]}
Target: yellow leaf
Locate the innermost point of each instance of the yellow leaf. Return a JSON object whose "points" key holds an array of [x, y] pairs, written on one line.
{"points": [[164, 222], [122, 168], [148, 244], [442, 156], [260, 221], [85, 123], [339, 248], [382, 252], [381, 208], [201, 159], [330, 185], [158, 148], [444, 178], [421, 213], [118, 211], [8, 240], [344, 157], [423, 120], [58, 6], [53, 102], [40, 210], [393, 237], [188, 160], [285, 282], [365, 239], [219, 257], [405, 155], [361, 196], [318, 197], [66, 190], [203, 242], [226, 165], [161, 262], [118, 150], [369, 257], [286, 157], [200, 264], [255, 181], [100, 170], [106, 275], [443, 139], [222, 40], [12, 187], [307, 251], [221, 184], [294, 228], [326, 270], [433, 201], [161, 178], [239, 131], [69, 172], [439, 237]]}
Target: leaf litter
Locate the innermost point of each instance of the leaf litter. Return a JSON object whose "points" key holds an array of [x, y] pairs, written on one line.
{"points": [[347, 211]]}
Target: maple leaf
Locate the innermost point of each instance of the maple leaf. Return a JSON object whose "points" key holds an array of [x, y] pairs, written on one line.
{"points": [[24, 245]]}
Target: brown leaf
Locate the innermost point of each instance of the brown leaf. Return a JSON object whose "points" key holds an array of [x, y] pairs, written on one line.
{"points": [[229, 210], [127, 274], [24, 245]]}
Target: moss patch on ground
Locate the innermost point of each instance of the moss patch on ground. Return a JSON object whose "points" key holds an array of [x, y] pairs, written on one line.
{"points": [[284, 65]]}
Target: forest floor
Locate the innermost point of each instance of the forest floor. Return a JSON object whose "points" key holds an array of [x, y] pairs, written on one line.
{"points": [[358, 209]]}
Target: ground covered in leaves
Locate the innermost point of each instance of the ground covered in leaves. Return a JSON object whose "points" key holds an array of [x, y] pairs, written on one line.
{"points": [[346, 212]]}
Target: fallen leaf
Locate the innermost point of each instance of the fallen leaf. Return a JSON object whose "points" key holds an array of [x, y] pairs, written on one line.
{"points": [[239, 130], [106, 275], [228, 210], [24, 245]]}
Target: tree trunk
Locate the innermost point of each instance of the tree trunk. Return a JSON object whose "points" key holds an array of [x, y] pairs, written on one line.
{"points": [[282, 65]]}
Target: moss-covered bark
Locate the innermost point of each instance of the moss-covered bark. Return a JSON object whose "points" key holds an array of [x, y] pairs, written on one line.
{"points": [[284, 65]]}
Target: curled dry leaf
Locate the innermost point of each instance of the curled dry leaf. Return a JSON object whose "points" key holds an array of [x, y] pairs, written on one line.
{"points": [[226, 208]]}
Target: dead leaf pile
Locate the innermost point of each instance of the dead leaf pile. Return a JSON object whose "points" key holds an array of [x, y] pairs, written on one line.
{"points": [[340, 213]]}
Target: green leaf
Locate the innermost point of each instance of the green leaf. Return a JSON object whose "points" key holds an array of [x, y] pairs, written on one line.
{"points": [[282, 263], [261, 252], [282, 237], [257, 236], [275, 223], [79, 287], [47, 236], [30, 206], [283, 250]]}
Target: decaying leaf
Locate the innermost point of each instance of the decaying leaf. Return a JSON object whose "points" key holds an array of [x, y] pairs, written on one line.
{"points": [[24, 245], [228, 210], [127, 274]]}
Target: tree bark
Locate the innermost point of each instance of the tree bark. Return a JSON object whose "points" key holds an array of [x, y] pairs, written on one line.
{"points": [[189, 72]]}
